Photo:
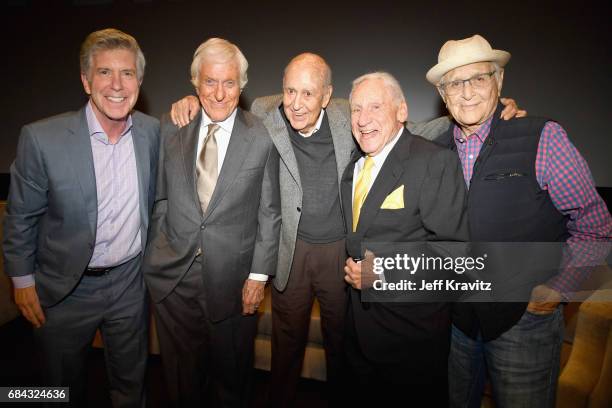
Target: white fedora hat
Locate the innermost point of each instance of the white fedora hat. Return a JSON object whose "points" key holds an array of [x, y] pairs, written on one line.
{"points": [[456, 53]]}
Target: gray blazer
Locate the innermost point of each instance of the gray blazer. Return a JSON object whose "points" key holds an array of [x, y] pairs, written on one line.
{"points": [[291, 192], [50, 224], [239, 232], [267, 108]]}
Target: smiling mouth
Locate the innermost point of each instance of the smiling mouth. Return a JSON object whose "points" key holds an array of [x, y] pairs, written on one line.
{"points": [[366, 135], [116, 99]]}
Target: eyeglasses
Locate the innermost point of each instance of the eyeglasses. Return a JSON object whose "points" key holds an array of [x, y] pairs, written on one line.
{"points": [[478, 81]]}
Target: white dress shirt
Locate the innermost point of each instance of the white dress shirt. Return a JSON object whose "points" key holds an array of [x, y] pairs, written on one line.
{"points": [[316, 127], [379, 160], [223, 138]]}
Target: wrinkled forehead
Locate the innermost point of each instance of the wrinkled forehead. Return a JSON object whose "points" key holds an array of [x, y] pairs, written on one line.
{"points": [[306, 73], [370, 91], [216, 67]]}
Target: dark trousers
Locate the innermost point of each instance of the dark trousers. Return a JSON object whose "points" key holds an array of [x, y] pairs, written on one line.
{"points": [[205, 363], [417, 376], [317, 270], [116, 303]]}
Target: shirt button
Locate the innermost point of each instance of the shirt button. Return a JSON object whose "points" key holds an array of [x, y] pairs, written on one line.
{"points": [[202, 227], [471, 156]]}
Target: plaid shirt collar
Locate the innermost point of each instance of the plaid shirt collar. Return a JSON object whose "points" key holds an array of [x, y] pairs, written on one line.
{"points": [[481, 133]]}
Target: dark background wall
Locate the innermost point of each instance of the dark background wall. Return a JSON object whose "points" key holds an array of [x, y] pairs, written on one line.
{"points": [[560, 66]]}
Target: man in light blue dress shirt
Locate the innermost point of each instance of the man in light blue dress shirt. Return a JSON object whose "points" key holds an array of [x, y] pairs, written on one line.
{"points": [[82, 189]]}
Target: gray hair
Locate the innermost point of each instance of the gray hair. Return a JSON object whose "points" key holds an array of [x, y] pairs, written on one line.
{"points": [[389, 80], [218, 49], [110, 39]]}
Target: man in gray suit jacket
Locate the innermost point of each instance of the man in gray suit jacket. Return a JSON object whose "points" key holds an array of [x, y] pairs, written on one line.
{"points": [[214, 235], [77, 220]]}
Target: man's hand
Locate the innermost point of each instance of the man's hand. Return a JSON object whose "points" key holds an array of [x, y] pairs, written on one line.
{"points": [[510, 111], [252, 295], [29, 305], [544, 300], [185, 110], [360, 274]]}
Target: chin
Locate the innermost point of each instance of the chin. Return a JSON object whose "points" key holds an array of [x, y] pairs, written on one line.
{"points": [[219, 116]]}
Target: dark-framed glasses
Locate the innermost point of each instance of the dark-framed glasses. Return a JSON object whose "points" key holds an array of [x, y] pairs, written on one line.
{"points": [[477, 81]]}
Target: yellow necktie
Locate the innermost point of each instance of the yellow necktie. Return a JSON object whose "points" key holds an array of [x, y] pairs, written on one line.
{"points": [[364, 179]]}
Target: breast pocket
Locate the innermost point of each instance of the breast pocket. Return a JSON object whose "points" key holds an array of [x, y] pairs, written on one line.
{"points": [[505, 175]]}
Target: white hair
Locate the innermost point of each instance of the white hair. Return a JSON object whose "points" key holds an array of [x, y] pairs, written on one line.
{"points": [[390, 82], [218, 49]]}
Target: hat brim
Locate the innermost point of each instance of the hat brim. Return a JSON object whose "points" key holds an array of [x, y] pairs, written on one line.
{"points": [[435, 74]]}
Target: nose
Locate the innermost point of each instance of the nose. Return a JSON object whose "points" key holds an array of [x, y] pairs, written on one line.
{"points": [[467, 91], [116, 83], [219, 92], [296, 104], [363, 118]]}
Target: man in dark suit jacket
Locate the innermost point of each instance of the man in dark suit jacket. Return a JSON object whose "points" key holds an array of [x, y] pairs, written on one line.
{"points": [[77, 221], [404, 189], [214, 235]]}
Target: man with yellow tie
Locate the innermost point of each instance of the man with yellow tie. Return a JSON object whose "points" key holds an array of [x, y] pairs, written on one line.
{"points": [[404, 189]]}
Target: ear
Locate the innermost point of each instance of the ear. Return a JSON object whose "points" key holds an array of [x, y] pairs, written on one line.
{"points": [[402, 112], [441, 94], [327, 96], [85, 82], [501, 82]]}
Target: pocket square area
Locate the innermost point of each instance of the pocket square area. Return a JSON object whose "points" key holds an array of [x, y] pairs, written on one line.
{"points": [[395, 200]]}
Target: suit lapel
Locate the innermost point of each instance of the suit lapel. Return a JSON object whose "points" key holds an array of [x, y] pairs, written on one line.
{"points": [[188, 136], [386, 180], [341, 137], [143, 167], [346, 190], [279, 134], [240, 140], [81, 158]]}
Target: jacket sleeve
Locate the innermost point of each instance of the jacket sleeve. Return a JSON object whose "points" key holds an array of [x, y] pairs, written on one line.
{"points": [[265, 254], [27, 202], [430, 130]]}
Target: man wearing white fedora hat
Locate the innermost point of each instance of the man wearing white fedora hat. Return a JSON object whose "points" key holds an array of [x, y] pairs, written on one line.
{"points": [[527, 183]]}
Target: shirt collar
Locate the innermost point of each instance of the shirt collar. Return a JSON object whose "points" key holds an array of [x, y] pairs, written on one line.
{"points": [[95, 128], [227, 124], [317, 125], [380, 158], [481, 133]]}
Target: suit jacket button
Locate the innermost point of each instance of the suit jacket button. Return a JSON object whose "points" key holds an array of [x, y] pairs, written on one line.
{"points": [[76, 276], [299, 209]]}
